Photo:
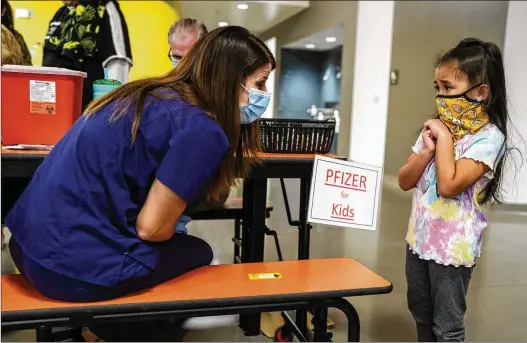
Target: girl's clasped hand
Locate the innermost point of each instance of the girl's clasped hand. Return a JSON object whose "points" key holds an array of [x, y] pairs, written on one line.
{"points": [[432, 130], [435, 128]]}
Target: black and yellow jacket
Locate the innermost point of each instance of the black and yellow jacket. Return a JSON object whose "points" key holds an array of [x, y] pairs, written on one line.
{"points": [[87, 38]]}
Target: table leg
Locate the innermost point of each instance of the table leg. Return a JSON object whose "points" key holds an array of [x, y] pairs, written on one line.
{"points": [[44, 334], [253, 238], [304, 236], [320, 324]]}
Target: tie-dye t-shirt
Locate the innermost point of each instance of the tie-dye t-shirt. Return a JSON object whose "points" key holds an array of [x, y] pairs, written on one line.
{"points": [[449, 231]]}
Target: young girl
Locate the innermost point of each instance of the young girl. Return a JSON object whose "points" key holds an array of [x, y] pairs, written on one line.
{"points": [[456, 166]]}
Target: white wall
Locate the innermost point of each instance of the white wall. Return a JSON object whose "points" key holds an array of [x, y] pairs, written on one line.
{"points": [[515, 55], [423, 31], [269, 113], [373, 51]]}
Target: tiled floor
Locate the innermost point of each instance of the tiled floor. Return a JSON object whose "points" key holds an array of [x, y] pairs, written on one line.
{"points": [[497, 299]]}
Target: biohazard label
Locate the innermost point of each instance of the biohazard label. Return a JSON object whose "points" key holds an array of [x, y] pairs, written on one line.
{"points": [[42, 97], [265, 276]]}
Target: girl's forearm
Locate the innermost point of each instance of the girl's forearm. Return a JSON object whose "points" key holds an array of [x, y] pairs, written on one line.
{"points": [[445, 161], [410, 173]]}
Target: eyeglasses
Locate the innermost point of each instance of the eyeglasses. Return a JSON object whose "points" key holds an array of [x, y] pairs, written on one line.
{"points": [[173, 57]]}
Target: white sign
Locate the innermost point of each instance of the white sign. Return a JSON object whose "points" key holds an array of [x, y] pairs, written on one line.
{"points": [[344, 194], [42, 91]]}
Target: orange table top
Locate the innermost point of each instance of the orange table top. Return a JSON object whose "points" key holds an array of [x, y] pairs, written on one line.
{"points": [[303, 156], [264, 155], [25, 162], [309, 278], [24, 152]]}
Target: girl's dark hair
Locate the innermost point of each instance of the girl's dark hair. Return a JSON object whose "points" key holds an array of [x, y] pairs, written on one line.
{"points": [[209, 76], [482, 62], [7, 16]]}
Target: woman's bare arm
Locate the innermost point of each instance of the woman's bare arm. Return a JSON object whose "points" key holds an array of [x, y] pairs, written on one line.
{"points": [[160, 213]]}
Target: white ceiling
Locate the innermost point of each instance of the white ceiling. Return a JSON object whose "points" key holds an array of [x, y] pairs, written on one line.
{"points": [[319, 40], [260, 16]]}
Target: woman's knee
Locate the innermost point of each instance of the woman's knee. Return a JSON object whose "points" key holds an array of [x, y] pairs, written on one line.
{"points": [[187, 248], [204, 253]]}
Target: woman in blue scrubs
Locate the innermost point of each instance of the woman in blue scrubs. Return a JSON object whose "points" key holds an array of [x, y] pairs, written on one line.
{"points": [[97, 220]]}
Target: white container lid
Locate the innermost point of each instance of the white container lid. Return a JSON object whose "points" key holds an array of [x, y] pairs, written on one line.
{"points": [[42, 70]]}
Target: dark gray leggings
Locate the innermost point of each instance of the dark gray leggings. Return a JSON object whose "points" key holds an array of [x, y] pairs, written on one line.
{"points": [[437, 298]]}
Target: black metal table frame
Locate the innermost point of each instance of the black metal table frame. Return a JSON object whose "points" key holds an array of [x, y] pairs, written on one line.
{"points": [[43, 321], [20, 165], [254, 201]]}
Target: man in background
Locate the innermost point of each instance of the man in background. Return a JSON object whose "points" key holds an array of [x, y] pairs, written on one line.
{"points": [[182, 35], [89, 35]]}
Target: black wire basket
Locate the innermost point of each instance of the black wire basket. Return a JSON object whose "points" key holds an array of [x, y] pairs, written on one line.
{"points": [[297, 136]]}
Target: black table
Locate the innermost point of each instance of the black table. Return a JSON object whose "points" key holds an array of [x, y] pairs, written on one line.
{"points": [[18, 167], [23, 164]]}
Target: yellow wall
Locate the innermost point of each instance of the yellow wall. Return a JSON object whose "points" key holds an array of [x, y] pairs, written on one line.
{"points": [[148, 24], [35, 29]]}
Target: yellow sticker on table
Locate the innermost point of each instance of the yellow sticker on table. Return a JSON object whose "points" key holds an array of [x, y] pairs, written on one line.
{"points": [[265, 276]]}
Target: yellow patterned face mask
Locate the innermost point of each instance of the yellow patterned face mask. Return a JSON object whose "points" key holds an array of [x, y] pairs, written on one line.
{"points": [[461, 114]]}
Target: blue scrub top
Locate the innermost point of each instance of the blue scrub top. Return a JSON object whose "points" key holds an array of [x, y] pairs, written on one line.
{"points": [[77, 217]]}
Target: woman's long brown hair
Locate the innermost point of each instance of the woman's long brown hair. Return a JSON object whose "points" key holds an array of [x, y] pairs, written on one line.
{"points": [[209, 76], [11, 50]]}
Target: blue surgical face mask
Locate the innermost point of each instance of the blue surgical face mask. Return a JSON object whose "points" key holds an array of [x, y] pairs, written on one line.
{"points": [[258, 102]]}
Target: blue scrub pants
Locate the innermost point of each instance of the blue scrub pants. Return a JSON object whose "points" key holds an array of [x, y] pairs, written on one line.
{"points": [[177, 256], [181, 254]]}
